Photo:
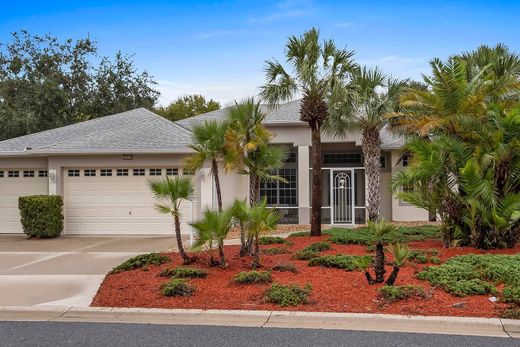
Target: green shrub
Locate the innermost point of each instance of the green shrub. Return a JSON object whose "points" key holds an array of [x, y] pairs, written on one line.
{"points": [[364, 236], [512, 294], [41, 215], [184, 272], [253, 277], [474, 274], [339, 261], [285, 267], [288, 295], [418, 256], [141, 261], [396, 293], [275, 250], [435, 260], [273, 240], [319, 247], [305, 254], [300, 234], [177, 287]]}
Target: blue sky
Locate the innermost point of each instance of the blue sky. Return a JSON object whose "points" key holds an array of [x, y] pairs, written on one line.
{"points": [[218, 48]]}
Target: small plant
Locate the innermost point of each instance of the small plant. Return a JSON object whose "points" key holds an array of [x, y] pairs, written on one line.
{"points": [[177, 287], [366, 236], [512, 295], [319, 247], [184, 272], [275, 250], [400, 253], [253, 277], [364, 263], [213, 227], [288, 295], [305, 254], [435, 260], [339, 261], [141, 261], [285, 267], [396, 293], [273, 240], [41, 215], [300, 234], [418, 256]]}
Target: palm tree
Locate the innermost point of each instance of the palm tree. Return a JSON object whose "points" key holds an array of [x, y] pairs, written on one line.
{"points": [[318, 72], [261, 219], [241, 216], [400, 254], [170, 193], [380, 229], [208, 141], [214, 227], [373, 95]]}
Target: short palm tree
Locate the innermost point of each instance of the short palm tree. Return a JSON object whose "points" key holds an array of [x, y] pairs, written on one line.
{"points": [[372, 96], [380, 229], [318, 72], [241, 216], [400, 254], [209, 144], [170, 193], [262, 219], [214, 227]]}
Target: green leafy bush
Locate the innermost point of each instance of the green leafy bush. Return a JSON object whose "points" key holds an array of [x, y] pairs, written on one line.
{"points": [[364, 235], [396, 293], [184, 272], [305, 254], [474, 274], [418, 256], [273, 240], [253, 277], [512, 294], [319, 247], [435, 260], [288, 295], [141, 261], [41, 215], [275, 250], [285, 267], [300, 234], [177, 287], [339, 261]]}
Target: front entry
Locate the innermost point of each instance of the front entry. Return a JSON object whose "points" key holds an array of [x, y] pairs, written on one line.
{"points": [[342, 183]]}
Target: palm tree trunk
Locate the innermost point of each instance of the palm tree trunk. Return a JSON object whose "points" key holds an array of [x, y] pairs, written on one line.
{"points": [[221, 253], [254, 192], [256, 255], [393, 276], [214, 169], [243, 245], [370, 280], [371, 146], [316, 181], [379, 263], [187, 260]]}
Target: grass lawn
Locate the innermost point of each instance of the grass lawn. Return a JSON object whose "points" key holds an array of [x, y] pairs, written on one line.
{"points": [[433, 281]]}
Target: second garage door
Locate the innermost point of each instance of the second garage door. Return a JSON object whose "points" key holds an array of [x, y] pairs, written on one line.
{"points": [[116, 201]]}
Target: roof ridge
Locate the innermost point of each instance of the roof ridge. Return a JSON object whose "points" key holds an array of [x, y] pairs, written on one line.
{"points": [[100, 132], [167, 120]]}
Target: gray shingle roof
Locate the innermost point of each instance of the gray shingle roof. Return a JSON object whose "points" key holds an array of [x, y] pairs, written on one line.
{"points": [[137, 130]]}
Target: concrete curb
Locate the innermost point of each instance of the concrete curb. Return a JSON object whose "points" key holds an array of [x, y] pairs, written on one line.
{"points": [[273, 319]]}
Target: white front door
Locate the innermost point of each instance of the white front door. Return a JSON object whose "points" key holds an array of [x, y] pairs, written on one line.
{"points": [[342, 183]]}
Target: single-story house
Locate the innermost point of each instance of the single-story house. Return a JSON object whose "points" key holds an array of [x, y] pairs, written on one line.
{"points": [[101, 168]]}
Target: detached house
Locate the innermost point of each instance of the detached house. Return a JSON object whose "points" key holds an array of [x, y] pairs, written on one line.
{"points": [[101, 168]]}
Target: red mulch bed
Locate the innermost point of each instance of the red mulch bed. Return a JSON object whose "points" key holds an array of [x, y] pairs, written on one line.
{"points": [[334, 290]]}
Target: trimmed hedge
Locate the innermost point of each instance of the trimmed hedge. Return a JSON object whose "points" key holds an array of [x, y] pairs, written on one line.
{"points": [[41, 215]]}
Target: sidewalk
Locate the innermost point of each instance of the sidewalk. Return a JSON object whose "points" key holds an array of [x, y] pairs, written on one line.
{"points": [[269, 319]]}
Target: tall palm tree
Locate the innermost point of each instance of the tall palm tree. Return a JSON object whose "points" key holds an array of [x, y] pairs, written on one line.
{"points": [[372, 96], [214, 227], [208, 141], [170, 193], [318, 72]]}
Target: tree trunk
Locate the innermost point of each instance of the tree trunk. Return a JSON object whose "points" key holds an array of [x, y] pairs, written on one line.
{"points": [[243, 246], [316, 181], [379, 263], [221, 254], [370, 280], [371, 146], [256, 255], [393, 276], [214, 169], [254, 192], [186, 259]]}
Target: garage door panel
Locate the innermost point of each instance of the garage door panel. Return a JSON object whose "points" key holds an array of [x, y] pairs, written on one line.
{"points": [[115, 205]]}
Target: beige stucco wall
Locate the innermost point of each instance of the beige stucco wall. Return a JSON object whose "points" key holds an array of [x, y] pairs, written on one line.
{"points": [[401, 211]]}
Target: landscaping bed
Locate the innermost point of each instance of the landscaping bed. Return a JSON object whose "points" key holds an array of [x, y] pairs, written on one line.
{"points": [[333, 289]]}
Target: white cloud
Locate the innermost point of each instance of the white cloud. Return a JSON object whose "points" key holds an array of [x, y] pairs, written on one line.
{"points": [[223, 93], [279, 15], [216, 33]]}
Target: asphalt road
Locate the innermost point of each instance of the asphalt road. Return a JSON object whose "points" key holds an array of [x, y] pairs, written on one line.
{"points": [[104, 334]]}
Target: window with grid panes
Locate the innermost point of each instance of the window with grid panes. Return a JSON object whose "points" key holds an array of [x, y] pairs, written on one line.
{"points": [[281, 193]]}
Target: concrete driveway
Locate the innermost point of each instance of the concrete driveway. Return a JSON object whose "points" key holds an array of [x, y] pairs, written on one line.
{"points": [[67, 270]]}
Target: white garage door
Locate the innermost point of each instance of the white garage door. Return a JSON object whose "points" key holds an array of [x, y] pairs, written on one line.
{"points": [[13, 184], [116, 201]]}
